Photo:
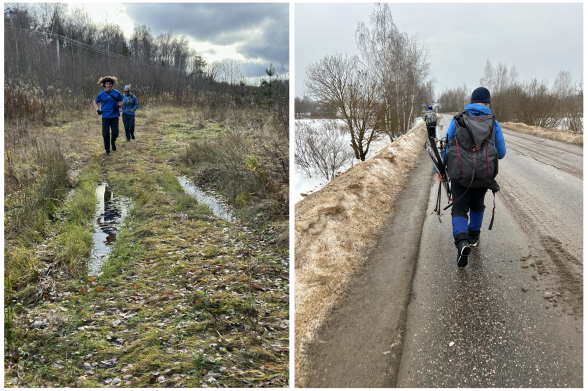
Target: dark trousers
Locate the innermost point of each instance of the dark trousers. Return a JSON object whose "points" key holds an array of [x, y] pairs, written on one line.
{"points": [[107, 125], [472, 201], [129, 123], [431, 131]]}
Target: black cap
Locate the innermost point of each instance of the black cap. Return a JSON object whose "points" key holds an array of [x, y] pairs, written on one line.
{"points": [[480, 95]]}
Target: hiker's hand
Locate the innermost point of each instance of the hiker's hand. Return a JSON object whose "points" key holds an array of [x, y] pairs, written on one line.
{"points": [[132, 110], [99, 111], [439, 178]]}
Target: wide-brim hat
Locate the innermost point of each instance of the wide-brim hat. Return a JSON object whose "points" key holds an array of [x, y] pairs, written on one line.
{"points": [[106, 79]]}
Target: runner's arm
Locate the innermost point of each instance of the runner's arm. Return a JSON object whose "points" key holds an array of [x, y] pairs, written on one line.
{"points": [[96, 101]]}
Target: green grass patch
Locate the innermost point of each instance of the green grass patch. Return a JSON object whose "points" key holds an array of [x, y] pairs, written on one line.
{"points": [[182, 293]]}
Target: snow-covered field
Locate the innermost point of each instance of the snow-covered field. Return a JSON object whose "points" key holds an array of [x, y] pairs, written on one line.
{"points": [[303, 184]]}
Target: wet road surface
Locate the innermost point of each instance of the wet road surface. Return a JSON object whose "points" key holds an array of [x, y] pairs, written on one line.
{"points": [[513, 316]]}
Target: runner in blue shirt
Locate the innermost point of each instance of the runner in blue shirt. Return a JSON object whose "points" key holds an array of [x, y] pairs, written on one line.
{"points": [[110, 101]]}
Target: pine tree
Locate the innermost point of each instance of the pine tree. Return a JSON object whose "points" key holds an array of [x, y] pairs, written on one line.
{"points": [[266, 85]]}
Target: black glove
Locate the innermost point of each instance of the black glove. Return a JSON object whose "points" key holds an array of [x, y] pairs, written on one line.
{"points": [[99, 112]]}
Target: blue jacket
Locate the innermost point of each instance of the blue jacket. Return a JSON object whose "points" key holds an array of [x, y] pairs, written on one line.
{"points": [[108, 105], [477, 110], [127, 107]]}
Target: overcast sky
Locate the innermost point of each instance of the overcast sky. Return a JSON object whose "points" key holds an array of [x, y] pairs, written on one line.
{"points": [[539, 39], [257, 34]]}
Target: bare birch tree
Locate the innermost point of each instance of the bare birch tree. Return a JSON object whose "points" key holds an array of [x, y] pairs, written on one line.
{"points": [[401, 66]]}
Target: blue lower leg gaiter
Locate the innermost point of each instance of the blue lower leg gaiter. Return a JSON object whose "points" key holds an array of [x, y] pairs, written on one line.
{"points": [[460, 225], [475, 221]]}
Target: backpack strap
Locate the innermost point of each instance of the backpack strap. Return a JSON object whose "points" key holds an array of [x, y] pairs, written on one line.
{"points": [[493, 210], [110, 95]]}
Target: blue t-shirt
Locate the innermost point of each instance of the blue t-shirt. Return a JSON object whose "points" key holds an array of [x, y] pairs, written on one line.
{"points": [[108, 105]]}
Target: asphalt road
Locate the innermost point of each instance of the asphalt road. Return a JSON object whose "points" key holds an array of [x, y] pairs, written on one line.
{"points": [[513, 317]]}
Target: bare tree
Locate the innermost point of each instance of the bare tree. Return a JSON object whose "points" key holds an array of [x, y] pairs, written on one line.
{"points": [[345, 85], [321, 147], [401, 66]]}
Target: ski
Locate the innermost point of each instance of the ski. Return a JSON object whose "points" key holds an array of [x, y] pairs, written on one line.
{"points": [[439, 165]]}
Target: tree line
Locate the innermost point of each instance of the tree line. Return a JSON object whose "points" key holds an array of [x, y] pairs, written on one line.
{"points": [[49, 51], [531, 102]]}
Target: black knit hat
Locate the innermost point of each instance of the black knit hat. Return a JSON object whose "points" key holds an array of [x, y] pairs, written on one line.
{"points": [[480, 95]]}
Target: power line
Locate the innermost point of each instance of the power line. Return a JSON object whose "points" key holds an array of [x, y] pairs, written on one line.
{"points": [[73, 42]]}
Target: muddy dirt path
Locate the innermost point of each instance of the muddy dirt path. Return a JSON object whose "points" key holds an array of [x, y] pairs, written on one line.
{"points": [[513, 316]]}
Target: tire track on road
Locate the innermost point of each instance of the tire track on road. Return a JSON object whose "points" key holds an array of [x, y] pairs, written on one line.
{"points": [[547, 250], [551, 160]]}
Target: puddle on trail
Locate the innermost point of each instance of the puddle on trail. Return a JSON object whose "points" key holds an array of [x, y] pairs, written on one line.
{"points": [[109, 215], [207, 198]]}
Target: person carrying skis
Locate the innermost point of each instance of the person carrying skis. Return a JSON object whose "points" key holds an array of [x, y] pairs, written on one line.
{"points": [[110, 101], [474, 146], [128, 113], [430, 119]]}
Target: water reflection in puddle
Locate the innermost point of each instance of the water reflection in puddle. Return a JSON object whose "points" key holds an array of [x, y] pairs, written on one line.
{"points": [[110, 213], [215, 205]]}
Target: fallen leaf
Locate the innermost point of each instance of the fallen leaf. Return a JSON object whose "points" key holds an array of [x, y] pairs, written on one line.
{"points": [[258, 287], [100, 288]]}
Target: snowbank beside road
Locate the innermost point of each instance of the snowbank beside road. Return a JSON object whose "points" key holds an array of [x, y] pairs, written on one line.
{"points": [[338, 226], [305, 185]]}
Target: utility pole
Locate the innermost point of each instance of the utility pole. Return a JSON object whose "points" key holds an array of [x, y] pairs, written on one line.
{"points": [[57, 45]]}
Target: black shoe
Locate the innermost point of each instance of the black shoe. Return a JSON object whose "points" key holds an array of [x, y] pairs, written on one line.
{"points": [[474, 240], [108, 152], [133, 136], [128, 139], [474, 237], [463, 250], [113, 146]]}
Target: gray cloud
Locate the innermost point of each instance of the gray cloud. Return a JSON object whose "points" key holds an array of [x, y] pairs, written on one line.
{"points": [[539, 39], [259, 30]]}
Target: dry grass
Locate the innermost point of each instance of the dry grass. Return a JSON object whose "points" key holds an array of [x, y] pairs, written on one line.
{"points": [[336, 228], [191, 309], [551, 134]]}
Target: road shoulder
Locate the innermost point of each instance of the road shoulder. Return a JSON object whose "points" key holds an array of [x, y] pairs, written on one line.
{"points": [[361, 343]]}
